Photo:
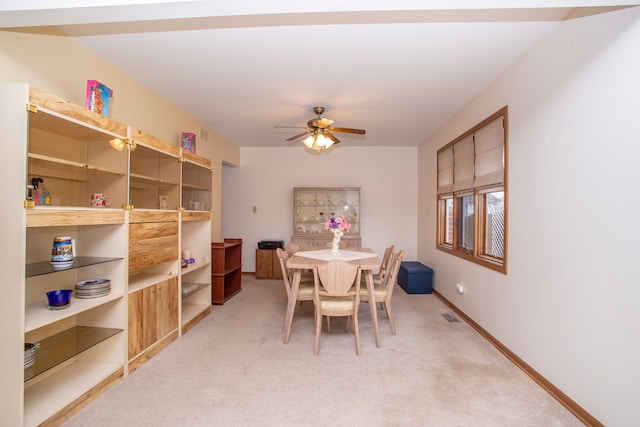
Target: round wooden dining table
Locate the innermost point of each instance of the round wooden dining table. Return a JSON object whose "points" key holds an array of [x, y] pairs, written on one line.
{"points": [[307, 259]]}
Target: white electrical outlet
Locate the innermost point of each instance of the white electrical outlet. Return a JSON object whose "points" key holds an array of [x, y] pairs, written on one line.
{"points": [[460, 288]]}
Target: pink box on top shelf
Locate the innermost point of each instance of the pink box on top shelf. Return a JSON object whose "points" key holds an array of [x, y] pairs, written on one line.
{"points": [[99, 98], [188, 141]]}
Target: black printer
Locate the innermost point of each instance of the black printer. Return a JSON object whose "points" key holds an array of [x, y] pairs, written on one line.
{"points": [[271, 244]]}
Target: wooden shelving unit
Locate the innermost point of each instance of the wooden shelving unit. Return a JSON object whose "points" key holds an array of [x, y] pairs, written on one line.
{"points": [[226, 269], [135, 243], [196, 277]]}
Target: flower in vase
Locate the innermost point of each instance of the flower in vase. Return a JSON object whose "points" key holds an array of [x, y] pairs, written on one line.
{"points": [[337, 223]]}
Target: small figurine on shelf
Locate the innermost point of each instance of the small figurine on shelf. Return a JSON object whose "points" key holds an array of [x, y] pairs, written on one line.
{"points": [[40, 197], [45, 196]]}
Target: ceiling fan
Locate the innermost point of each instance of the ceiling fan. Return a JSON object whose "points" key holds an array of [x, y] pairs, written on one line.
{"points": [[319, 132]]}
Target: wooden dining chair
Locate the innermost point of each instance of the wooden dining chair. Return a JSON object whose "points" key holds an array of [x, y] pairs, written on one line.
{"points": [[305, 290], [291, 248], [336, 293], [383, 291], [384, 264], [384, 267]]}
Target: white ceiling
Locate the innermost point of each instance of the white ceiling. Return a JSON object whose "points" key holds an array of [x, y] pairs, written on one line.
{"points": [[397, 69]]}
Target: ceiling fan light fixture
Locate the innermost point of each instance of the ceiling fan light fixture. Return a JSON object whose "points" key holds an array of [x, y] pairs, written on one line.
{"points": [[317, 141], [309, 141], [323, 141], [319, 132]]}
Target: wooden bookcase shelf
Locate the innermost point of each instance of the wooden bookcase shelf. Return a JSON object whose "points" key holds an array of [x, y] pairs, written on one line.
{"points": [[135, 242], [226, 269]]}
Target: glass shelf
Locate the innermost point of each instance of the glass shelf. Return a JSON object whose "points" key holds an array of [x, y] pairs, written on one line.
{"points": [[65, 345], [189, 289], [45, 267], [196, 187]]}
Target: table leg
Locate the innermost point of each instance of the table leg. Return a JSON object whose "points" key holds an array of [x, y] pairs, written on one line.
{"points": [[368, 275], [291, 304]]}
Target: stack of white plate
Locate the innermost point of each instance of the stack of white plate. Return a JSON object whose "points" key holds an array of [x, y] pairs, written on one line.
{"points": [[30, 354], [92, 288]]}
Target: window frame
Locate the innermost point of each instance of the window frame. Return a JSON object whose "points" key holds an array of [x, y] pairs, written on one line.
{"points": [[479, 253]]}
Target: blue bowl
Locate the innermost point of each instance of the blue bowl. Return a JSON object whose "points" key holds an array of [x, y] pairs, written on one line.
{"points": [[59, 297]]}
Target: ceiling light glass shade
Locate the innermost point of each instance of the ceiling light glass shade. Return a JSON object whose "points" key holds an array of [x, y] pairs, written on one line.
{"points": [[317, 142], [308, 141], [323, 141]]}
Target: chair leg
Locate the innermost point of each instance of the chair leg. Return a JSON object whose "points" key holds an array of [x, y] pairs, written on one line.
{"points": [[356, 331], [328, 323], [318, 319], [387, 308]]}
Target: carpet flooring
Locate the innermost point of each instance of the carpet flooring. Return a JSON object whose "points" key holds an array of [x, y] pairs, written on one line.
{"points": [[232, 369]]}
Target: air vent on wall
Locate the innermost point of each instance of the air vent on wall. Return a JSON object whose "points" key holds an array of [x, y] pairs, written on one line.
{"points": [[204, 135]]}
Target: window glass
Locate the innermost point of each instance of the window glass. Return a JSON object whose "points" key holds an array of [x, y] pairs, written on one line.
{"points": [[465, 223], [448, 221], [494, 223], [472, 194]]}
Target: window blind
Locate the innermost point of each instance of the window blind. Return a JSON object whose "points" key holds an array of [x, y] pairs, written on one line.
{"points": [[489, 154], [475, 161], [463, 162], [445, 170]]}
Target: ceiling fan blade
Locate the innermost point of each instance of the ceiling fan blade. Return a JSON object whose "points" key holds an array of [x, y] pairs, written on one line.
{"points": [[347, 130], [299, 135], [290, 127], [331, 137]]}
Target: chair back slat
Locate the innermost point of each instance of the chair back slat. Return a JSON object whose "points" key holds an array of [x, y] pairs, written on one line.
{"points": [[386, 260], [337, 277], [391, 277], [282, 258], [291, 248]]}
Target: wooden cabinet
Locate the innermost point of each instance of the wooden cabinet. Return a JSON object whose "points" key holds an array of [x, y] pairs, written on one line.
{"points": [[226, 269], [196, 182], [153, 317], [313, 206], [61, 154], [154, 180], [267, 264], [70, 156], [153, 240], [153, 299]]}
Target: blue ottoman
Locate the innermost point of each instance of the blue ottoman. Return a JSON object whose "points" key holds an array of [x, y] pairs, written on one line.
{"points": [[415, 277]]}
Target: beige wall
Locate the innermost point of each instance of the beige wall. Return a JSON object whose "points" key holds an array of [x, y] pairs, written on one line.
{"points": [[387, 177], [568, 305], [62, 67]]}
